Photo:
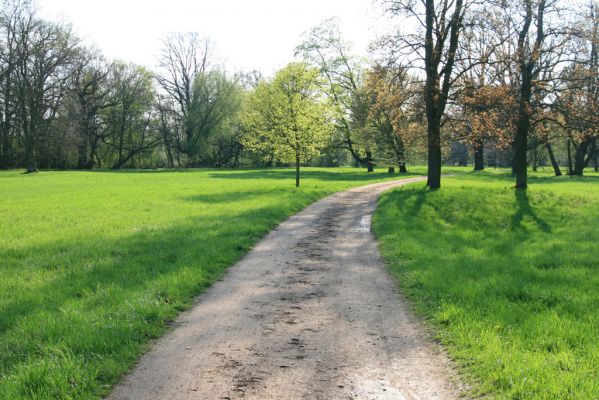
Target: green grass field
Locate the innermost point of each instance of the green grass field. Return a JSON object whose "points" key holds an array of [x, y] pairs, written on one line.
{"points": [[508, 282], [95, 264]]}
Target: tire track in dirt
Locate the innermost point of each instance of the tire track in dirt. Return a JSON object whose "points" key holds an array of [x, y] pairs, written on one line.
{"points": [[309, 313]]}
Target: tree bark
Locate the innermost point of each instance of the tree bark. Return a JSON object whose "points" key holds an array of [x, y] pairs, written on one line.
{"points": [[554, 164], [521, 138], [581, 161], [297, 169], [569, 147], [369, 163], [83, 160], [30, 159], [4, 146], [391, 170], [479, 160], [438, 84], [521, 145], [434, 156], [595, 154], [527, 60]]}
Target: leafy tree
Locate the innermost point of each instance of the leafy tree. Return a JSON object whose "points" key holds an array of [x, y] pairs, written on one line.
{"points": [[183, 59], [324, 48], [204, 102], [394, 115], [212, 117], [486, 112], [288, 117]]}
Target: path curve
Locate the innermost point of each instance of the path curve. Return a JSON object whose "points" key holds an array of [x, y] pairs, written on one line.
{"points": [[309, 313]]}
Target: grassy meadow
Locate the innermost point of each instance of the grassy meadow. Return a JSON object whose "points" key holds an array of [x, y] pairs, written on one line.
{"points": [[93, 265], [508, 282]]}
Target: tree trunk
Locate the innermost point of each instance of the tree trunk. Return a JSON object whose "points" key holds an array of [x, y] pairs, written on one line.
{"points": [[391, 170], [169, 155], [5, 146], [30, 160], [479, 160], [554, 164], [581, 161], [521, 142], [82, 160], [595, 154], [6, 157], [434, 156], [369, 163], [402, 168], [436, 88], [297, 169], [569, 147]]}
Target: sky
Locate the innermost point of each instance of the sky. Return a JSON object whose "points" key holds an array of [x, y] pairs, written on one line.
{"points": [[248, 35]]}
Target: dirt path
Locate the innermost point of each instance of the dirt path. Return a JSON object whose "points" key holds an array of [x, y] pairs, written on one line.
{"points": [[309, 313]]}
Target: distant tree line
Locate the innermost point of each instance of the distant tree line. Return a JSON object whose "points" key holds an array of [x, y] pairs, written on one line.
{"points": [[505, 83]]}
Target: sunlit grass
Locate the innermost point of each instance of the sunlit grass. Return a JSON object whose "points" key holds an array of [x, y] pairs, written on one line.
{"points": [[509, 282], [95, 264]]}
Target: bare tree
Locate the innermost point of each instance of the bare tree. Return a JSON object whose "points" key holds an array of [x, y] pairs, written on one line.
{"points": [[433, 48], [184, 58], [90, 90], [541, 44], [578, 99], [45, 52], [10, 17], [129, 130]]}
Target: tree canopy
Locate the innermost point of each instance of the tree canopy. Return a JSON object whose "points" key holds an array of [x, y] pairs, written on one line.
{"points": [[288, 117]]}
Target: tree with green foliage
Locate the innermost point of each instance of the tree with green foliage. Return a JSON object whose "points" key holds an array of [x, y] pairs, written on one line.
{"points": [[324, 48], [395, 114], [288, 116], [212, 117]]}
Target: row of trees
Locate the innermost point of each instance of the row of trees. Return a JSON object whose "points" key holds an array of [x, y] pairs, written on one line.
{"points": [[520, 73], [63, 105], [517, 76]]}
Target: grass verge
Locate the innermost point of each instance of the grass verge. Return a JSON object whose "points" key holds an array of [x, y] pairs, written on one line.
{"points": [[508, 281]]}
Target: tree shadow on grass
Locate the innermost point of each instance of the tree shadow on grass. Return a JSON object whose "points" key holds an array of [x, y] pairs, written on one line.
{"points": [[508, 178], [115, 294], [525, 209], [415, 200], [238, 196], [508, 281]]}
